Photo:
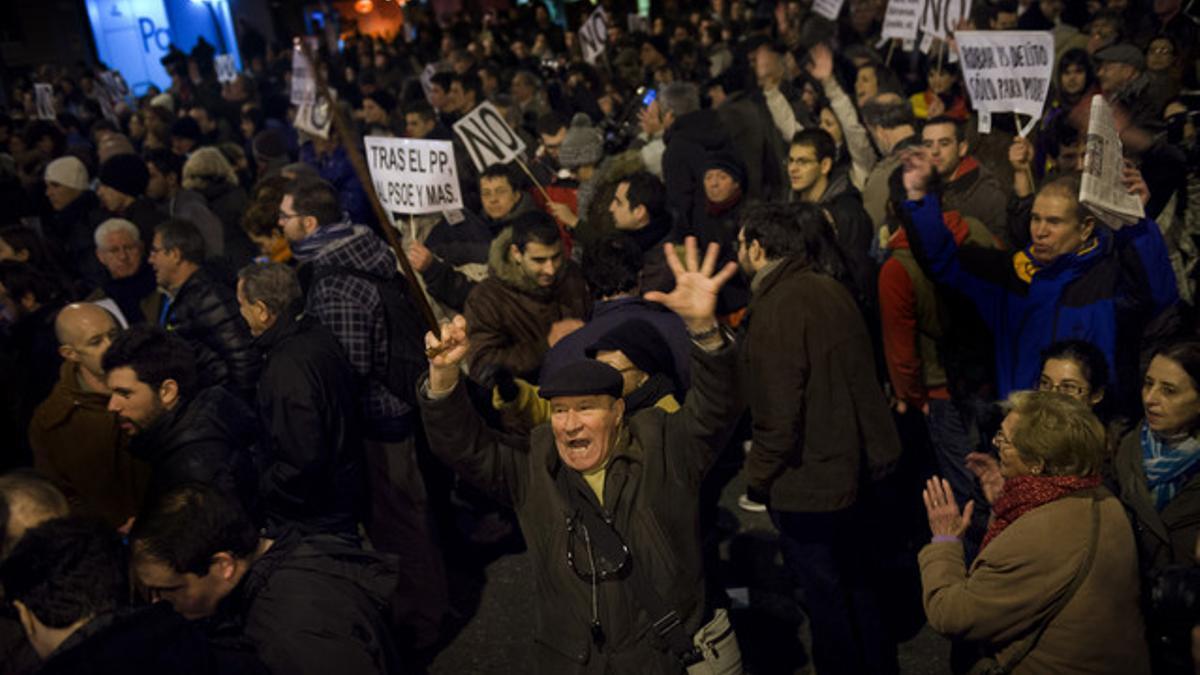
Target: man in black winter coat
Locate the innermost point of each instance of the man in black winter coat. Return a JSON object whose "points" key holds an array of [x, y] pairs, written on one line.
{"points": [[201, 310], [310, 605], [186, 434], [67, 580], [307, 406], [691, 136]]}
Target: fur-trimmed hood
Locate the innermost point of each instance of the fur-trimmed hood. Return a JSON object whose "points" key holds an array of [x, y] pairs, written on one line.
{"points": [[504, 268]]}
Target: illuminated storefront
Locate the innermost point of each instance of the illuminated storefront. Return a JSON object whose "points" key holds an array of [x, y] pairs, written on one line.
{"points": [[133, 35]]}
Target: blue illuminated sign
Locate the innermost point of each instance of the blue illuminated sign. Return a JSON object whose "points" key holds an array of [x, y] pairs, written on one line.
{"points": [[133, 35]]}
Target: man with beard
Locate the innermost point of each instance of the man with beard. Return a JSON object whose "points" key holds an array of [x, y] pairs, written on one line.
{"points": [[185, 433], [531, 298], [76, 441]]}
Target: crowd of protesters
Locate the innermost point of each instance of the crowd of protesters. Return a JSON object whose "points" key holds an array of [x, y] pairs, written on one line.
{"points": [[746, 239]]}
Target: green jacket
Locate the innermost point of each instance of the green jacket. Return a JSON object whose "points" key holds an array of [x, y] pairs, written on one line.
{"points": [[651, 491]]}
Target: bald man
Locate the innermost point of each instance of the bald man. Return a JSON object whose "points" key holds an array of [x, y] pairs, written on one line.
{"points": [[26, 501], [77, 443]]}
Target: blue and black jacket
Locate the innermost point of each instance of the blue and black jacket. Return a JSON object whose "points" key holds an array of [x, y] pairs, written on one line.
{"points": [[1103, 293]]}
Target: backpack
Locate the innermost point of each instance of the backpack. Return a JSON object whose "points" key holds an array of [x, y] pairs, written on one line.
{"points": [[406, 328]]}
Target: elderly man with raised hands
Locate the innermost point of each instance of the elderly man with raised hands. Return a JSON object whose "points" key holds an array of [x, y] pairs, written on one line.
{"points": [[629, 594]]}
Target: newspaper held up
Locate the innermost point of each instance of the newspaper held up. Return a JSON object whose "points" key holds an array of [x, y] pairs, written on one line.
{"points": [[1101, 189]]}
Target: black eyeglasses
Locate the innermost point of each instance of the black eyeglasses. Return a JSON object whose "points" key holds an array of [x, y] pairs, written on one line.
{"points": [[603, 561]]}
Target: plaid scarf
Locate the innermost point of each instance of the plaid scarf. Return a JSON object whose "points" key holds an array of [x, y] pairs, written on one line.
{"points": [[1025, 493], [1168, 468]]}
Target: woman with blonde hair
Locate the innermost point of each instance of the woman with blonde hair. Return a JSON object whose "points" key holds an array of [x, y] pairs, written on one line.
{"points": [[1054, 588], [210, 174]]}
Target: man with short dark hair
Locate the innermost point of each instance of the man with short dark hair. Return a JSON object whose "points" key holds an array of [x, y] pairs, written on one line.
{"points": [[532, 297], [183, 431], [165, 189], [463, 239], [464, 94], [201, 310], [639, 209], [306, 405], [421, 122], [968, 186], [353, 288], [810, 171], [821, 429], [308, 604], [67, 579]]}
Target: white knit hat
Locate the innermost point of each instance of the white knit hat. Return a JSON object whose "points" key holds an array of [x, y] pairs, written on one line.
{"points": [[68, 172], [164, 100]]}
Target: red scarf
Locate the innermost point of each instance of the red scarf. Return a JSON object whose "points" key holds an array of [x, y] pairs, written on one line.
{"points": [[719, 208], [1025, 493]]}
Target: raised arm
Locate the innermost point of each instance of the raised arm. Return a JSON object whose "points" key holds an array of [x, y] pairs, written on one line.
{"points": [[714, 402], [457, 435], [858, 143]]}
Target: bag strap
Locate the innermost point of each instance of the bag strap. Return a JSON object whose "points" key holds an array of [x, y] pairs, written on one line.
{"points": [[666, 625], [1084, 570]]}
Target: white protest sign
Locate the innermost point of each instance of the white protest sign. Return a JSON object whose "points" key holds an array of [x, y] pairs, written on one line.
{"points": [[412, 176], [315, 118], [427, 78], [304, 85], [44, 98], [1007, 71], [593, 37], [828, 8], [487, 137], [901, 19], [939, 18], [226, 71]]}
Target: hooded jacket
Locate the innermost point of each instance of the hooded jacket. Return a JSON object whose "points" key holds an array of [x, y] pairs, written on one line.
{"points": [[651, 492], [208, 438], [509, 315], [1123, 277], [352, 309], [975, 192], [78, 444], [205, 313], [690, 141]]}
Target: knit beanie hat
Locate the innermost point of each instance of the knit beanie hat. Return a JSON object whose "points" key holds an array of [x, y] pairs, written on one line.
{"points": [[583, 145], [186, 127], [126, 174], [269, 144], [730, 164], [642, 344], [67, 172], [164, 100]]}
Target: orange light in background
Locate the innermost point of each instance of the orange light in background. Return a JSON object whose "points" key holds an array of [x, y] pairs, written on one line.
{"points": [[364, 6]]}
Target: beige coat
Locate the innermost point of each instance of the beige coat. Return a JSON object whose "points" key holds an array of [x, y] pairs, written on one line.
{"points": [[1019, 576]]}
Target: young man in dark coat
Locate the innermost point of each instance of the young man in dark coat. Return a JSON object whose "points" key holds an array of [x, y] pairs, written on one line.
{"points": [[821, 426], [185, 433], [307, 406], [621, 480], [67, 579], [201, 310], [310, 605], [969, 187]]}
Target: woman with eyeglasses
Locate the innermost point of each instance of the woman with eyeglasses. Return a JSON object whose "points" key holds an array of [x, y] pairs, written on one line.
{"points": [[1054, 587]]}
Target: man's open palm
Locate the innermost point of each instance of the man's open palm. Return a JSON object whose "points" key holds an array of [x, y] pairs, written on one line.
{"points": [[694, 298]]}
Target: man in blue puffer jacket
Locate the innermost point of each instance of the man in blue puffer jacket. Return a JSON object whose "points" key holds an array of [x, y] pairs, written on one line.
{"points": [[1077, 278]]}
